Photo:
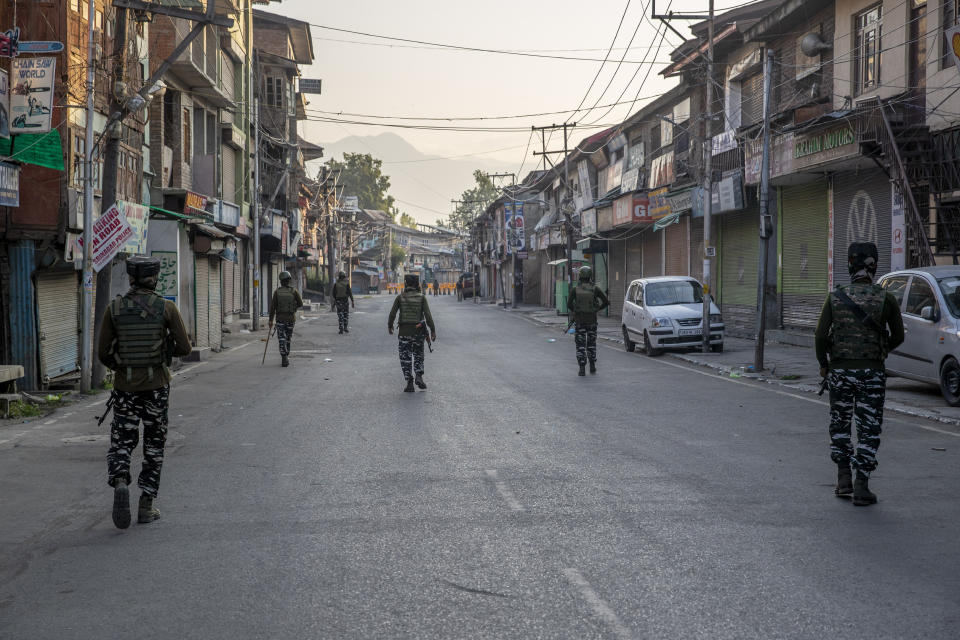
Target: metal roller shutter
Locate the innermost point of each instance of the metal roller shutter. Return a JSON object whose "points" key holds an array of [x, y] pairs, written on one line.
{"points": [[617, 276], [804, 230], [861, 213], [652, 250], [229, 159], [677, 253], [201, 284], [739, 257], [58, 317], [634, 256], [215, 316]]}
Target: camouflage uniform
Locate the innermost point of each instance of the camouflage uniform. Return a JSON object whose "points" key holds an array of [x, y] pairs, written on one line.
{"points": [[586, 300], [342, 297], [856, 394], [129, 409], [283, 308], [411, 356], [343, 313], [586, 341], [414, 320], [284, 336]]}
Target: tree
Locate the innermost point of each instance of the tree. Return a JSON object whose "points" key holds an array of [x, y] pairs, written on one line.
{"points": [[361, 176], [408, 221], [473, 201], [397, 256]]}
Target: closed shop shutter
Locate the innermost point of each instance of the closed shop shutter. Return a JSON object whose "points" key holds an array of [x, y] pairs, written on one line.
{"points": [[678, 248], [617, 276], [804, 229], [739, 257], [634, 256], [201, 280], [58, 316], [229, 160], [215, 315], [652, 251], [861, 213], [228, 269]]}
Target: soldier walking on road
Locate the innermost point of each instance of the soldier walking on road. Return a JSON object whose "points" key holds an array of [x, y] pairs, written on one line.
{"points": [[284, 304], [586, 299], [415, 320], [140, 334], [859, 325], [341, 295]]}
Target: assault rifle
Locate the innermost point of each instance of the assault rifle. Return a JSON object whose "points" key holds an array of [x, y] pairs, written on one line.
{"points": [[110, 402], [422, 330]]}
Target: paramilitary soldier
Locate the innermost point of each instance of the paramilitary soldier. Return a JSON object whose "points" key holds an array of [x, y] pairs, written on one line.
{"points": [[341, 294], [415, 319], [586, 299], [140, 334], [859, 325], [284, 304]]}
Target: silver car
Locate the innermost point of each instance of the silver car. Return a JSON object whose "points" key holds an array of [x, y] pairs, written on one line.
{"points": [[930, 303], [667, 313]]}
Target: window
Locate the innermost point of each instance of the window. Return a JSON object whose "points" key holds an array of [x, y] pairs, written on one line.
{"points": [[75, 6], [169, 128], [950, 288], [751, 99], [866, 62], [921, 296], [274, 92], [661, 294], [896, 287], [639, 296], [632, 293], [79, 147], [186, 136]]}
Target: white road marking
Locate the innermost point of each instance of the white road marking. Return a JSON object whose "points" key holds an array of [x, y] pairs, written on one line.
{"points": [[766, 388], [245, 344], [186, 369], [601, 608], [47, 422], [92, 405], [504, 491]]}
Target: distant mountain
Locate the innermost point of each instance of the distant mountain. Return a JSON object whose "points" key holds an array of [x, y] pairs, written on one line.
{"points": [[419, 186]]}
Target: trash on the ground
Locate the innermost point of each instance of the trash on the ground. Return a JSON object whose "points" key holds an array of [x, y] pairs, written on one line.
{"points": [[551, 339], [939, 448], [328, 359], [571, 330]]}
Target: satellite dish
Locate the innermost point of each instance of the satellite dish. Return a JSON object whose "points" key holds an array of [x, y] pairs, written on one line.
{"points": [[812, 45]]}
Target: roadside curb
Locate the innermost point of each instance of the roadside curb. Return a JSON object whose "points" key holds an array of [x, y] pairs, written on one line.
{"points": [[726, 371]]}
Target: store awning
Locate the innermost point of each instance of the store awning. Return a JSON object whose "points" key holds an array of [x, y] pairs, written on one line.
{"points": [[178, 216], [666, 221], [40, 149], [557, 262], [212, 231]]}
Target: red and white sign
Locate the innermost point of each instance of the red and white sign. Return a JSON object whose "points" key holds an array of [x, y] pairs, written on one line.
{"points": [[196, 202], [110, 232], [641, 209]]}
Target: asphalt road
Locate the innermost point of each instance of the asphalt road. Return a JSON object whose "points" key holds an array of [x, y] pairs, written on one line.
{"points": [[512, 499]]}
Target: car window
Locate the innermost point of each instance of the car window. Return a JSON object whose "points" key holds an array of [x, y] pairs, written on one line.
{"points": [[920, 296], [659, 294], [631, 293], [896, 286], [639, 298], [950, 288]]}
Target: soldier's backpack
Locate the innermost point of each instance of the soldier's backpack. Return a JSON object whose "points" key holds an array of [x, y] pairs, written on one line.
{"points": [[857, 333], [286, 300], [585, 302], [411, 307], [141, 333]]}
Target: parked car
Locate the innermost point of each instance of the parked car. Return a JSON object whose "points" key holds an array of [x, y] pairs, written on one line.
{"points": [[468, 280], [667, 313], [930, 303]]}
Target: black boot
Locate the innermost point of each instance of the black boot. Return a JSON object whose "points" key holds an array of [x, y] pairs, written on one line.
{"points": [[121, 504], [409, 387], [420, 382], [284, 361], [583, 370], [593, 366], [346, 330], [862, 496], [844, 481]]}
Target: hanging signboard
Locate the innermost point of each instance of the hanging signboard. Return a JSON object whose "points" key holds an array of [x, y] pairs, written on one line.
{"points": [[4, 104], [110, 232], [351, 203], [659, 203], [311, 86], [623, 210], [898, 231], [137, 216], [518, 238], [9, 185], [588, 222], [196, 202], [641, 209], [31, 96], [167, 281]]}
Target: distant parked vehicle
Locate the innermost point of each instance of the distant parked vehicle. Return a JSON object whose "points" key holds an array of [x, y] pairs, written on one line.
{"points": [[929, 300], [667, 313], [468, 281]]}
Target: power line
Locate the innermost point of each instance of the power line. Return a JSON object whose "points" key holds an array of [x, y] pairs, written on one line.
{"points": [[604, 62]]}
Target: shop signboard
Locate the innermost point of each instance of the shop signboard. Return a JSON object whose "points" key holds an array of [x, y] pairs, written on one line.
{"points": [[588, 222], [195, 203], [137, 217], [817, 147], [659, 203], [4, 104], [586, 192], [641, 209], [167, 281], [31, 99], [630, 179], [661, 171], [623, 210], [681, 201], [9, 185], [605, 219], [781, 158]]}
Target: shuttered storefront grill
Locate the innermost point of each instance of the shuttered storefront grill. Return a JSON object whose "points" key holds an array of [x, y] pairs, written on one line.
{"points": [[215, 315], [58, 315], [861, 213], [652, 250], [201, 289], [804, 229], [678, 248], [617, 276], [738, 250]]}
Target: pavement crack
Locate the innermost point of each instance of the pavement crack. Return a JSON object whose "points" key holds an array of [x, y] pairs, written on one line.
{"points": [[480, 592]]}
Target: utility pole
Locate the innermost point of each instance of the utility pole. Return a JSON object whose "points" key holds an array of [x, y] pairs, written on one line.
{"points": [[509, 234], [86, 352], [255, 315], [568, 220], [765, 219], [708, 249]]}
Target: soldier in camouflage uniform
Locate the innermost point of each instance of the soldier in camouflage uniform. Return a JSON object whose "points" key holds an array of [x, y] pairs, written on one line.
{"points": [[283, 305], [341, 294], [585, 301], [859, 325], [140, 334], [415, 320]]}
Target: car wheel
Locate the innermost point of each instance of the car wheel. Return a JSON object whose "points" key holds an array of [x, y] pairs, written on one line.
{"points": [[647, 347], [717, 348], [628, 344], [950, 382]]}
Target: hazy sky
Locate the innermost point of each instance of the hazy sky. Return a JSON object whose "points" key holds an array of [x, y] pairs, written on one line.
{"points": [[413, 80]]}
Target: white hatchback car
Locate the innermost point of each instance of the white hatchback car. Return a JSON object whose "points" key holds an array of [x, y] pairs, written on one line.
{"points": [[666, 313]]}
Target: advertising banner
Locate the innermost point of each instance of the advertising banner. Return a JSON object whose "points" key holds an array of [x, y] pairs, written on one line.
{"points": [[661, 171], [32, 94], [110, 232], [196, 202], [898, 235], [641, 209], [623, 210], [586, 191], [4, 104], [167, 284], [9, 185], [588, 222], [137, 217], [659, 203]]}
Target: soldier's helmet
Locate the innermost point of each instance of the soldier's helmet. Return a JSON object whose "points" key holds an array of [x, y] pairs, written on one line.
{"points": [[144, 270], [862, 256], [285, 275], [586, 274], [341, 275], [411, 280]]}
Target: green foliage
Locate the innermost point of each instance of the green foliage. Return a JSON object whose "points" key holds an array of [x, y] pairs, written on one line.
{"points": [[473, 201], [397, 256], [21, 409], [408, 221], [361, 176]]}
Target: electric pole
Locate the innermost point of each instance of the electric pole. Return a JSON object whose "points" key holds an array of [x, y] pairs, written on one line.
{"points": [[765, 219], [568, 220], [86, 349], [255, 315]]}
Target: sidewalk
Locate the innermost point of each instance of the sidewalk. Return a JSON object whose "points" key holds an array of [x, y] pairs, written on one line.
{"points": [[789, 366]]}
